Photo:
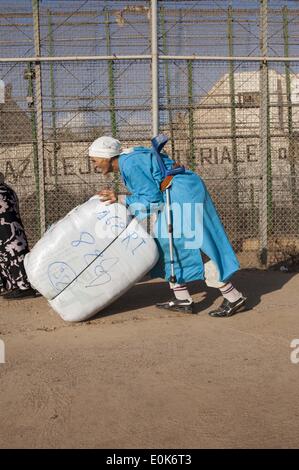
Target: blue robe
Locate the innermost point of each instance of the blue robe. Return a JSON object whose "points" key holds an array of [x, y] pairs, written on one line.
{"points": [[196, 228]]}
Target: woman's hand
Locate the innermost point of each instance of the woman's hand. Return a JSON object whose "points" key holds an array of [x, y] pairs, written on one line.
{"points": [[108, 196]]}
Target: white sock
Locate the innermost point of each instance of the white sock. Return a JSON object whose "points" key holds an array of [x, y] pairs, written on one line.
{"points": [[181, 292], [230, 293]]}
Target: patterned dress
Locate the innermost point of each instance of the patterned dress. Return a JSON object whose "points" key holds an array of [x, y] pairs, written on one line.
{"points": [[13, 242]]}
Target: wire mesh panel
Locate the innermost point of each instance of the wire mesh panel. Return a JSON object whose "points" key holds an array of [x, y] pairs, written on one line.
{"points": [[94, 27], [18, 141], [90, 99], [219, 138], [283, 204], [233, 120], [201, 27], [16, 28]]}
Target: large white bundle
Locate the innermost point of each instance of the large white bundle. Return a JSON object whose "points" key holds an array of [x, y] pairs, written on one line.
{"points": [[89, 258], [72, 243]]}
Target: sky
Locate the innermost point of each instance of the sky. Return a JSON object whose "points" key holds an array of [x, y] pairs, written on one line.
{"points": [[86, 85]]}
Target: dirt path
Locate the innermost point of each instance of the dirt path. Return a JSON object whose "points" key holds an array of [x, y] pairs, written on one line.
{"points": [[139, 378]]}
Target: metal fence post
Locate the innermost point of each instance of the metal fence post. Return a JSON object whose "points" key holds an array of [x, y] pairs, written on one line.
{"points": [[289, 103], [233, 110], [191, 159], [264, 140], [111, 84], [155, 67], [39, 116], [29, 75], [167, 83], [53, 92]]}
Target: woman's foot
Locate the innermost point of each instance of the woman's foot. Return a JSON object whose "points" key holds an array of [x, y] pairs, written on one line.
{"points": [[176, 305], [227, 309]]}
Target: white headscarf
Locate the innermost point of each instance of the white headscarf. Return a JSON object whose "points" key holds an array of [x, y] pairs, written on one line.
{"points": [[105, 147]]}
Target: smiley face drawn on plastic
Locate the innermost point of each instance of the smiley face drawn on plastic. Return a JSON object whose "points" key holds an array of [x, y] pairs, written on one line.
{"points": [[60, 275]]}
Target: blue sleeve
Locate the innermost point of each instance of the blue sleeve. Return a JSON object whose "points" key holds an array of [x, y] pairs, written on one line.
{"points": [[146, 196]]}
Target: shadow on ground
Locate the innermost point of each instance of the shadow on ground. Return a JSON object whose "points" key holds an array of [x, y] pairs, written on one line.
{"points": [[253, 283]]}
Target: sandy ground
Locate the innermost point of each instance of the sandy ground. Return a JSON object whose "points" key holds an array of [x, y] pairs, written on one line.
{"points": [[135, 377]]}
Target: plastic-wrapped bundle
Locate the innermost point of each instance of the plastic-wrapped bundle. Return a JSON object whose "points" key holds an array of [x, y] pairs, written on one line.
{"points": [[89, 258]]}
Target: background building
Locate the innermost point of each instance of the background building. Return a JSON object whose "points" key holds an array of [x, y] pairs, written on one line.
{"points": [[233, 118]]}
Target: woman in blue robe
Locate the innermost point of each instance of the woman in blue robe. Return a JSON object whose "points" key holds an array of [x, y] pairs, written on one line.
{"points": [[197, 227]]}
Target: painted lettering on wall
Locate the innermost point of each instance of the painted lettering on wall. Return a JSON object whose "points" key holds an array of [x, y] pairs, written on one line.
{"points": [[16, 169]]}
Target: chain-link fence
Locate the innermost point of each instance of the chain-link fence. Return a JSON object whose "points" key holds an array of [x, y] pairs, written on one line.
{"points": [[228, 98]]}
